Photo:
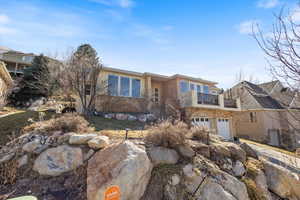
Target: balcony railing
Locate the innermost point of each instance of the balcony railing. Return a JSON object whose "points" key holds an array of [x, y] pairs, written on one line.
{"points": [[230, 103], [208, 99], [201, 100]]}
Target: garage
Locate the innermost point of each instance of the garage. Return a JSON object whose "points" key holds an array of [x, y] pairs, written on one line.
{"points": [[224, 128], [201, 121]]}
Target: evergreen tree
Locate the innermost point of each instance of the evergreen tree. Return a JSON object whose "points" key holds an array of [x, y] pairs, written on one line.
{"points": [[36, 81]]}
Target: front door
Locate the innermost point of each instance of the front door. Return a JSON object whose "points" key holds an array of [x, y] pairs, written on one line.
{"points": [[274, 137], [224, 128]]}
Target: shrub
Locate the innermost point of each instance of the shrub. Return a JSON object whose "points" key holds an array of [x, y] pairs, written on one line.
{"points": [[200, 133], [167, 134], [66, 123]]}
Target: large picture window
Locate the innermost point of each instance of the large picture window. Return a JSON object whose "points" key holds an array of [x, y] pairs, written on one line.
{"points": [[113, 85], [205, 89], [136, 88], [124, 86]]}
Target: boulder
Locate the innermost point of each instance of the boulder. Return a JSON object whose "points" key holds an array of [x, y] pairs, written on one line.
{"points": [[132, 118], [200, 148], [88, 155], [250, 152], [261, 184], [281, 181], [175, 180], [162, 155], [142, 118], [211, 190], [124, 165], [23, 160], [81, 138], [55, 161], [99, 142], [238, 169], [186, 151], [6, 157], [35, 146], [121, 116], [236, 152]]}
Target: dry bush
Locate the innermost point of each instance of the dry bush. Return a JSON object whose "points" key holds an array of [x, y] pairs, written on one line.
{"points": [[200, 133], [66, 123], [167, 134], [8, 172]]}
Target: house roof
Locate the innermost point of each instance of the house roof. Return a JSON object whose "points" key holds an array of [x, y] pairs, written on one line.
{"points": [[268, 86], [261, 96], [158, 76]]}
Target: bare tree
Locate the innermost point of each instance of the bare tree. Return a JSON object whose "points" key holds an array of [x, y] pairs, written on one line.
{"points": [[81, 76], [241, 76], [281, 46]]}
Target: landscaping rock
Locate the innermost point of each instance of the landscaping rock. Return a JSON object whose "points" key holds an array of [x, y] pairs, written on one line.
{"points": [[281, 181], [186, 151], [124, 165], [238, 169], [211, 190], [81, 138], [175, 180], [132, 118], [23, 161], [6, 157], [162, 155], [99, 142], [121, 116], [35, 146], [88, 155], [250, 152], [109, 116], [55, 161], [236, 152], [142, 118]]}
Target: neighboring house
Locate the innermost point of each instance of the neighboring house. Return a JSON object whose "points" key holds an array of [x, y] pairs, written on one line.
{"points": [[270, 113], [198, 100], [5, 82], [15, 61]]}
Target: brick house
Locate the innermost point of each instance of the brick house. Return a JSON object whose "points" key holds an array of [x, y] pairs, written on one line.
{"points": [[198, 100]]}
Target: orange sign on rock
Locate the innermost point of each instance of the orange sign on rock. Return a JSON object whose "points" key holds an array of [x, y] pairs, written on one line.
{"points": [[112, 193]]}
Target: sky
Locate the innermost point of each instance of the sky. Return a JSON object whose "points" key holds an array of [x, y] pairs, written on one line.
{"points": [[209, 39]]}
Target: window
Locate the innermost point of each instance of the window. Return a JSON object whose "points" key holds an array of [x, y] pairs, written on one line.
{"points": [[198, 88], [253, 118], [184, 86], [87, 89], [192, 86], [113, 85], [205, 89], [136, 88], [27, 58], [156, 95], [124, 87]]}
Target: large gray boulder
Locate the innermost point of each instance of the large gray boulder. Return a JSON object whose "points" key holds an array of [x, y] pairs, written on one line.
{"points": [[55, 161], [281, 181], [162, 155], [124, 165]]}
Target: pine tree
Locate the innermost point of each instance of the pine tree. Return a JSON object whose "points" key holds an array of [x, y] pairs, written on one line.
{"points": [[36, 81]]}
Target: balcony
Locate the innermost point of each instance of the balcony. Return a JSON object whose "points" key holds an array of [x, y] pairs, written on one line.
{"points": [[201, 100]]}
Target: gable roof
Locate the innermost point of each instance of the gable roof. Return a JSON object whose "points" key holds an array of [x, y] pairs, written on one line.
{"points": [[261, 96], [268, 86]]}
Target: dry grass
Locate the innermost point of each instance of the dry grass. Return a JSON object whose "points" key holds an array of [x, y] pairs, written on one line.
{"points": [[8, 172], [167, 134], [200, 133], [66, 123]]}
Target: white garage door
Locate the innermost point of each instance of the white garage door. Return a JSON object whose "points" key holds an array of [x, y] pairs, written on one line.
{"points": [[201, 121], [224, 128]]}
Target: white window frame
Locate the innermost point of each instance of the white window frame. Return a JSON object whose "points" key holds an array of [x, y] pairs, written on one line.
{"points": [[130, 85]]}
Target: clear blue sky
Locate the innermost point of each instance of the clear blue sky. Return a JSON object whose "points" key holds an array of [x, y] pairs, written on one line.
{"points": [[202, 38]]}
